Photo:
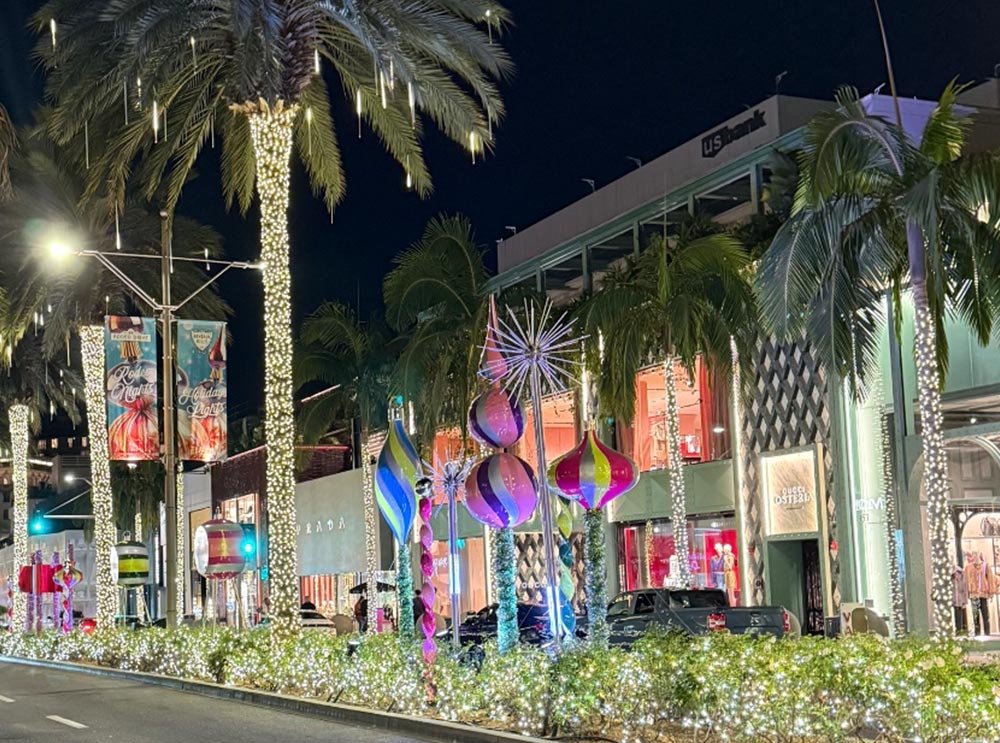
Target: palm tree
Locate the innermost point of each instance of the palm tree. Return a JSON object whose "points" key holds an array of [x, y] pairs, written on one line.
{"points": [[8, 146], [875, 210], [31, 386], [253, 67], [436, 295], [49, 204], [337, 349], [678, 300]]}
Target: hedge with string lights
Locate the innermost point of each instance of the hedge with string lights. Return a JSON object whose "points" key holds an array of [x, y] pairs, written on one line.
{"points": [[667, 687]]}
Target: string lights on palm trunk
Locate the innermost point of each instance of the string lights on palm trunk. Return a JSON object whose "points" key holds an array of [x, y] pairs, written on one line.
{"points": [[92, 348], [271, 133]]}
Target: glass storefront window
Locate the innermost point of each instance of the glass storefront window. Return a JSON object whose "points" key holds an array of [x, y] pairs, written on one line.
{"points": [[558, 426], [447, 443], [647, 556], [471, 576], [704, 418]]}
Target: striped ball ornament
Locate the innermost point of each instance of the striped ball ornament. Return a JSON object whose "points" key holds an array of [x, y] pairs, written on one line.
{"points": [[496, 419], [217, 553], [501, 492]]}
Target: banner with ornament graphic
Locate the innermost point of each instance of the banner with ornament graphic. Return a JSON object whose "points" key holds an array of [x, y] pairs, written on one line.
{"points": [[130, 388], [201, 390]]}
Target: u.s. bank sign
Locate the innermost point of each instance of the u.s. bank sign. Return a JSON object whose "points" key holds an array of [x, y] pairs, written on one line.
{"points": [[714, 143]]}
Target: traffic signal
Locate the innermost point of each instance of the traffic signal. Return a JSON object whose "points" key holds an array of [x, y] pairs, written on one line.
{"points": [[248, 545], [38, 523]]}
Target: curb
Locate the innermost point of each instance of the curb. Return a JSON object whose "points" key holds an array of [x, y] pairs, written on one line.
{"points": [[427, 728]]}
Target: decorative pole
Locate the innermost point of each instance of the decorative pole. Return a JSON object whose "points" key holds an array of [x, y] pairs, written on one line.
{"points": [[398, 470], [448, 478], [594, 474], [427, 592], [538, 348]]}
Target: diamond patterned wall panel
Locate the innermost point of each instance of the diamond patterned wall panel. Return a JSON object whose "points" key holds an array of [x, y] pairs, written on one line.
{"points": [[787, 407], [531, 568]]}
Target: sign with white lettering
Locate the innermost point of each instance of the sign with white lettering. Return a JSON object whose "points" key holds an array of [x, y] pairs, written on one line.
{"points": [[714, 143], [789, 493]]}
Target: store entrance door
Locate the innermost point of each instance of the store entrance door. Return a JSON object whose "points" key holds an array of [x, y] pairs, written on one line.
{"points": [[795, 581]]}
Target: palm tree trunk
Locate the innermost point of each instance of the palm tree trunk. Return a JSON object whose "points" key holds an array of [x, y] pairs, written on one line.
{"points": [[105, 534], [505, 570], [271, 132], [597, 588], [935, 456], [678, 504], [19, 417], [371, 532], [404, 591], [181, 579]]}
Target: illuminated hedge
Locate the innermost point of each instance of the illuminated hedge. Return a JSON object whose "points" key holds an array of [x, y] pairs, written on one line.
{"points": [[721, 688]]}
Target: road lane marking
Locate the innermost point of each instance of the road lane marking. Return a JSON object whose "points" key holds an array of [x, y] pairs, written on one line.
{"points": [[67, 723], [6, 700]]}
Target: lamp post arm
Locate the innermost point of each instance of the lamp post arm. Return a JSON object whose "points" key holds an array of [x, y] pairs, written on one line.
{"points": [[203, 287], [66, 503], [125, 279]]}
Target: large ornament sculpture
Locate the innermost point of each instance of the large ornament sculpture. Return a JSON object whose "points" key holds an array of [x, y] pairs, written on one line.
{"points": [[67, 578], [500, 491], [428, 621], [496, 419], [594, 474], [448, 479], [539, 352], [395, 480], [395, 490], [218, 557]]}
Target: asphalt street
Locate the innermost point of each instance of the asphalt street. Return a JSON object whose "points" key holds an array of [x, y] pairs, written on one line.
{"points": [[38, 704]]}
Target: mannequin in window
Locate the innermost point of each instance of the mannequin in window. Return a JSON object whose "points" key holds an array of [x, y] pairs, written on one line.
{"points": [[716, 567], [729, 573], [980, 585], [960, 600]]}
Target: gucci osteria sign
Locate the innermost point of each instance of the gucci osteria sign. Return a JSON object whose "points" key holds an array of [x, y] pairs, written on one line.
{"points": [[789, 493]]}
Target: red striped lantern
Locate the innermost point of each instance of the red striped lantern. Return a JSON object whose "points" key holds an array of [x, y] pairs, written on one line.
{"points": [[217, 553]]}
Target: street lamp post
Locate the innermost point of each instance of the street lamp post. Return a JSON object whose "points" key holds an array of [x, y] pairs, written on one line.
{"points": [[165, 309]]}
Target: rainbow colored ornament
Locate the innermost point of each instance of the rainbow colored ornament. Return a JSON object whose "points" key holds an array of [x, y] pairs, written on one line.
{"points": [[496, 419], [395, 480], [501, 491], [593, 474]]}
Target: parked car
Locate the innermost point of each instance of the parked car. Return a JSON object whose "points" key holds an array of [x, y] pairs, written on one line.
{"points": [[532, 621], [691, 611]]}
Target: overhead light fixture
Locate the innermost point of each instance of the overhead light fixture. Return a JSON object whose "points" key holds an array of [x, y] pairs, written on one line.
{"points": [[973, 420], [718, 429]]}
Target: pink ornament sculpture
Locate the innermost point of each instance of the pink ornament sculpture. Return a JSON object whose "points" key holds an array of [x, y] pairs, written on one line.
{"points": [[496, 419], [593, 474], [67, 578], [427, 591], [500, 491]]}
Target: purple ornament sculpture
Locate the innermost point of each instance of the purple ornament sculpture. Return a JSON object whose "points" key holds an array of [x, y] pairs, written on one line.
{"points": [[496, 419], [501, 492]]}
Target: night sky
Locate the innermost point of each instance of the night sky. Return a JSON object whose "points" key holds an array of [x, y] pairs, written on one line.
{"points": [[596, 82]]}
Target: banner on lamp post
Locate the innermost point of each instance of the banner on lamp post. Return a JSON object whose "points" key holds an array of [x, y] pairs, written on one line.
{"points": [[201, 390], [130, 388]]}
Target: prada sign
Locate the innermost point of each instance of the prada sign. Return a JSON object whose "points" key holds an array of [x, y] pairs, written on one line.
{"points": [[714, 143]]}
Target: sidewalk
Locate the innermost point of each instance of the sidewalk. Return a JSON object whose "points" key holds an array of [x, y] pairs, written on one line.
{"points": [[427, 728]]}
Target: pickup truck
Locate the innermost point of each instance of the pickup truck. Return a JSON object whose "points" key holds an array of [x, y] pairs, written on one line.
{"points": [[691, 611]]}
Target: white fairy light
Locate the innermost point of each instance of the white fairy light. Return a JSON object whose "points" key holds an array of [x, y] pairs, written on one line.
{"points": [[272, 133], [52, 30], [412, 99], [156, 123], [316, 68], [19, 418], [92, 348], [357, 109]]}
